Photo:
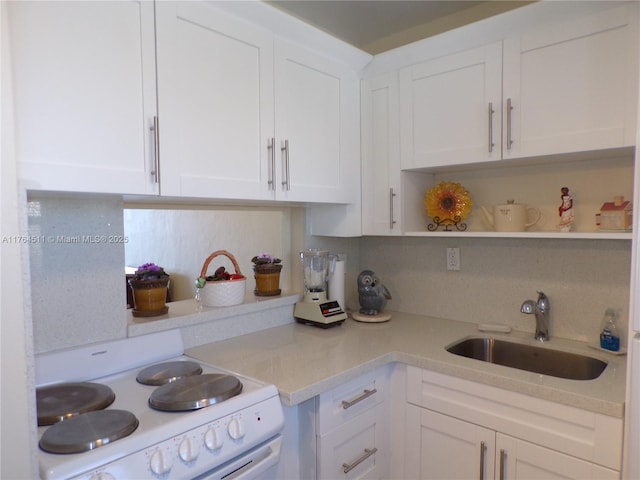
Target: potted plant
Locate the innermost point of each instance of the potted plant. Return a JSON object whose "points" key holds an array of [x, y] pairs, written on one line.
{"points": [[149, 286], [266, 269]]}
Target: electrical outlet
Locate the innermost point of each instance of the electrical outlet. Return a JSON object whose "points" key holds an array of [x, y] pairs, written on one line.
{"points": [[453, 258]]}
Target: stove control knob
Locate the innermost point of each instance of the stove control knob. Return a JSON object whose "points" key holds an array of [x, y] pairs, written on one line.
{"points": [[236, 428], [160, 462], [188, 450], [102, 476], [213, 439]]}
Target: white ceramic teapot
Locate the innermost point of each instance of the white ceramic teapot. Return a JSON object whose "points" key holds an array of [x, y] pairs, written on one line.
{"points": [[512, 217]]}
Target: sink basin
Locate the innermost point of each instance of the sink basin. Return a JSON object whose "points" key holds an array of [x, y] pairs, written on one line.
{"points": [[542, 360]]}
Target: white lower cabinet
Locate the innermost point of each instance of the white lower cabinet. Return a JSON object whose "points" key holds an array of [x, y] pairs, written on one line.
{"points": [[357, 448], [441, 447], [347, 434], [458, 429]]}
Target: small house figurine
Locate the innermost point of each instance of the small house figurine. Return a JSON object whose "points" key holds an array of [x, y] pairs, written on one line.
{"points": [[615, 215]]}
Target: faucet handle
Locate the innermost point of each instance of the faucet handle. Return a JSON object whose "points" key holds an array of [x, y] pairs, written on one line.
{"points": [[543, 301]]}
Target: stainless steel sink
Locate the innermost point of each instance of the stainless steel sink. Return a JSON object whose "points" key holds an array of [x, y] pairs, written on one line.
{"points": [[542, 360]]}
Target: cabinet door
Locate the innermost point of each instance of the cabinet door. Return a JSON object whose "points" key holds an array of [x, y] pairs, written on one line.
{"points": [[573, 86], [83, 83], [381, 156], [450, 109], [215, 93], [317, 116], [519, 460], [439, 447]]}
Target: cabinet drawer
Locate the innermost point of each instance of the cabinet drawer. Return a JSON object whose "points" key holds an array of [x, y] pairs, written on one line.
{"points": [[346, 401], [356, 449]]}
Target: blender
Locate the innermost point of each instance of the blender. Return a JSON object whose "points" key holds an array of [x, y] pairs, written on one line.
{"points": [[315, 308]]}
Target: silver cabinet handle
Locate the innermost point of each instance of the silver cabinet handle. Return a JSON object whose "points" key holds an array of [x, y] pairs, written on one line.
{"points": [[366, 394], [509, 109], [285, 181], [156, 149], [272, 162], [483, 448], [346, 468], [391, 220], [503, 459], [491, 112]]}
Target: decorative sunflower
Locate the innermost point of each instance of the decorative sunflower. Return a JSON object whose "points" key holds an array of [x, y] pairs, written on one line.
{"points": [[448, 203]]}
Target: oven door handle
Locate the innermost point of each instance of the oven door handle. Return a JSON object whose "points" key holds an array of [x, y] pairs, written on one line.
{"points": [[250, 465]]}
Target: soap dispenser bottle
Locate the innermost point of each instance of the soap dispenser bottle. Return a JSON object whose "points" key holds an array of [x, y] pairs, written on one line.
{"points": [[610, 332]]}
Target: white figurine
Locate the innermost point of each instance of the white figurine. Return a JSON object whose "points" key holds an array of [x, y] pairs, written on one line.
{"points": [[566, 211]]}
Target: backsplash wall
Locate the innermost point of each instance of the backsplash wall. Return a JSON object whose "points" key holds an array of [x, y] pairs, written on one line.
{"points": [[78, 292], [581, 277]]}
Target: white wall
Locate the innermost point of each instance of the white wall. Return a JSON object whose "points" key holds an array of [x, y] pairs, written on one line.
{"points": [[17, 397], [181, 240]]}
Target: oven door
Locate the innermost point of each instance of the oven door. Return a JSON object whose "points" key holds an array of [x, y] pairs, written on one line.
{"points": [[259, 463]]}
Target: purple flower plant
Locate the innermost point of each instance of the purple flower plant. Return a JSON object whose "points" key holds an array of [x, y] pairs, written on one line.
{"points": [[149, 271], [264, 258]]}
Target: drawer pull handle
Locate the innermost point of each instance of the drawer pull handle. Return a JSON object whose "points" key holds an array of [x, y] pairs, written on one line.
{"points": [[272, 163], [491, 112], [392, 222], [503, 459], [483, 448], [156, 150], [366, 394], [367, 453], [286, 181], [509, 109]]}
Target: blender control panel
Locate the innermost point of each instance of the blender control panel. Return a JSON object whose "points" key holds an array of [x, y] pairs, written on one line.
{"points": [[330, 308]]}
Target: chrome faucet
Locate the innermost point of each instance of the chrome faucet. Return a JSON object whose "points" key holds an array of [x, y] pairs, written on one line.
{"points": [[541, 310]]}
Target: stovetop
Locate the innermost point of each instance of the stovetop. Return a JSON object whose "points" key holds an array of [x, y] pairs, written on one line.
{"points": [[240, 415]]}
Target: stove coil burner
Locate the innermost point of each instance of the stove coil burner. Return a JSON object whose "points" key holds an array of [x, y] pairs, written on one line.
{"points": [[168, 372], [195, 392], [88, 431], [63, 401]]}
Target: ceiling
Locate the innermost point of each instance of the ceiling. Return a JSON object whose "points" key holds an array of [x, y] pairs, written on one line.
{"points": [[376, 26]]}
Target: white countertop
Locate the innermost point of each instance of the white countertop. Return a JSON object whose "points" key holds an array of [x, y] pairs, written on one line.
{"points": [[303, 361]]}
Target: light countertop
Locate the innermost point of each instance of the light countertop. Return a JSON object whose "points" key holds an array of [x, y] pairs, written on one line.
{"points": [[303, 361]]}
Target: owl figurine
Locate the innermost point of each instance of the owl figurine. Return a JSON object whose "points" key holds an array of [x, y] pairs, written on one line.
{"points": [[372, 294]]}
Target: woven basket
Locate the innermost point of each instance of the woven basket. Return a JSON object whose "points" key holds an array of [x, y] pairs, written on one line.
{"points": [[222, 293]]}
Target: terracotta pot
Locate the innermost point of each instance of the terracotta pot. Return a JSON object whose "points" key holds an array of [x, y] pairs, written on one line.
{"points": [[267, 279], [149, 297]]}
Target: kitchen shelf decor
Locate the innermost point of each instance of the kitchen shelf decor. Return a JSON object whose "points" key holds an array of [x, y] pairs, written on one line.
{"points": [[149, 287], [222, 289], [266, 271], [448, 204]]}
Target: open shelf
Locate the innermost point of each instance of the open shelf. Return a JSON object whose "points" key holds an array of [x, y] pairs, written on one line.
{"points": [[570, 235], [592, 178]]}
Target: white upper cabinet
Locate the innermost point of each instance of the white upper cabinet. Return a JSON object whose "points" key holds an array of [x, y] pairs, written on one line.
{"points": [[572, 85], [560, 86], [84, 99], [215, 97], [381, 206], [316, 127], [451, 109], [245, 116]]}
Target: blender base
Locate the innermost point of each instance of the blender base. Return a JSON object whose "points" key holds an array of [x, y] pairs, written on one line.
{"points": [[323, 314], [319, 324]]}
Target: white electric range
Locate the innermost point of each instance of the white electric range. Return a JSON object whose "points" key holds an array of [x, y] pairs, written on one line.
{"points": [[194, 421]]}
